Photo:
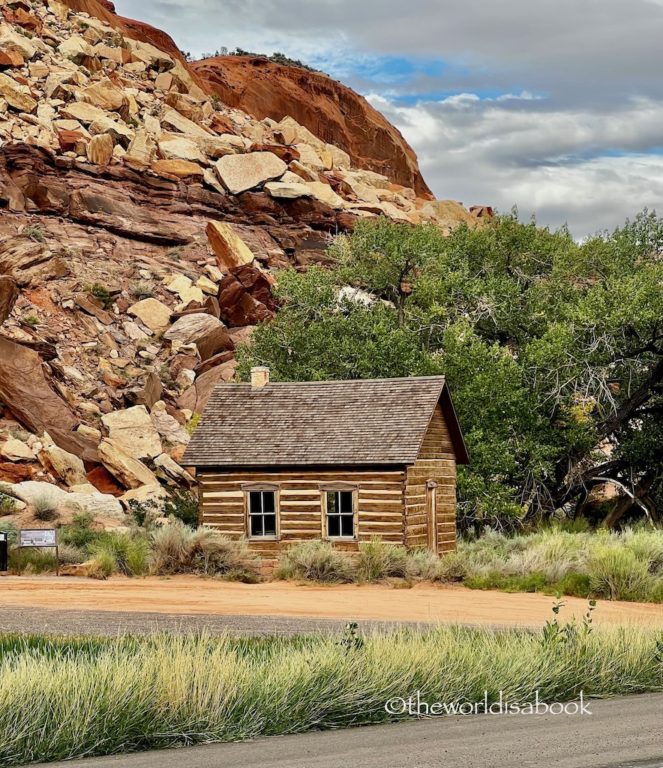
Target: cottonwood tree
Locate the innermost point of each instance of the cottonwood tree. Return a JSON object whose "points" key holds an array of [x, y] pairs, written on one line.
{"points": [[553, 351]]}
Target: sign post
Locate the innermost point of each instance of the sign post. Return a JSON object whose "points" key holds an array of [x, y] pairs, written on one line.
{"points": [[46, 538], [4, 552]]}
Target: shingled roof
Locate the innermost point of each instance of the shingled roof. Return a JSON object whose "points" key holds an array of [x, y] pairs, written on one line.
{"points": [[321, 423]]}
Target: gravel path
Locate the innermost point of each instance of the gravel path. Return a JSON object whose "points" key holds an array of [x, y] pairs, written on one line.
{"points": [[111, 623]]}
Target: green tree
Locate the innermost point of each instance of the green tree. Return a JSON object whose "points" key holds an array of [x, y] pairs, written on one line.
{"points": [[553, 350]]}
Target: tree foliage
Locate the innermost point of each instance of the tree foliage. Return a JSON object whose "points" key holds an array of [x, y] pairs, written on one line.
{"points": [[553, 349]]}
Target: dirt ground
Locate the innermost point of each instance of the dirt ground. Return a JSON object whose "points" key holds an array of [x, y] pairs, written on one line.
{"points": [[194, 596]]}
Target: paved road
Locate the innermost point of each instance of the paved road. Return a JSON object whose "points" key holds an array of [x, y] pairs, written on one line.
{"points": [[112, 623], [621, 733]]}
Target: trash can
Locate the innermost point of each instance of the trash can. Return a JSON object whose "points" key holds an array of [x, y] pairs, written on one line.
{"points": [[4, 551]]}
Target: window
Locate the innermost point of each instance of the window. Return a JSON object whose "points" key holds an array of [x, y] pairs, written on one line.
{"points": [[262, 513], [340, 514]]}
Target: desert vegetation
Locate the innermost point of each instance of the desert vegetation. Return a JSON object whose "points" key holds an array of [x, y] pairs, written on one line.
{"points": [[66, 698], [606, 565]]}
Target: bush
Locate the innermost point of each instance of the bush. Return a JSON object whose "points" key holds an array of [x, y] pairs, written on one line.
{"points": [[102, 565], [44, 508], [379, 560], [315, 561], [70, 555], [80, 532], [7, 504], [183, 506], [617, 574], [130, 554], [32, 561], [176, 548]]}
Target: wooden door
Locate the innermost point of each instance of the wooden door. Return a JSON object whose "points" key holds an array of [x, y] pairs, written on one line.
{"points": [[431, 514]]}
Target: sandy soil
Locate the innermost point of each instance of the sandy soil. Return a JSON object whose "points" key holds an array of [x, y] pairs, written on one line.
{"points": [[422, 603]]}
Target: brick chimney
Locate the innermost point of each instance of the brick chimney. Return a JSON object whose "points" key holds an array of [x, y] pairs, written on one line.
{"points": [[259, 377]]}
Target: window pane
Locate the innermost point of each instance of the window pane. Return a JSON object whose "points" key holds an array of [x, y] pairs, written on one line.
{"points": [[334, 525], [256, 525], [254, 502], [331, 502], [270, 525], [347, 526], [345, 498], [268, 502]]}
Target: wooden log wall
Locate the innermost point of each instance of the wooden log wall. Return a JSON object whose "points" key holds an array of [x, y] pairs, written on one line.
{"points": [[435, 462], [380, 504]]}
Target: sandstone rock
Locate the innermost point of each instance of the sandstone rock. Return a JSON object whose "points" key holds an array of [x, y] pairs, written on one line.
{"points": [[75, 48], [213, 342], [207, 286], [84, 113], [17, 96], [196, 397], [10, 59], [152, 313], [8, 296], [16, 450], [25, 390], [63, 465], [180, 168], [121, 133], [150, 55], [171, 470], [148, 394], [105, 95], [239, 173], [97, 504], [141, 151], [219, 146], [309, 157], [100, 149], [325, 194], [245, 297], [173, 119], [173, 147], [229, 248], [191, 327], [132, 430], [130, 472], [155, 494], [170, 430], [11, 40], [304, 173], [71, 141], [287, 191]]}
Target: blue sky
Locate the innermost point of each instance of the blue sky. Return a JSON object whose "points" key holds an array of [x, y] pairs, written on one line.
{"points": [[555, 106]]}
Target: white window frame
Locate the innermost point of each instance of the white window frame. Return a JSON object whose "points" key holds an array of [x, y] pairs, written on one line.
{"points": [[261, 488], [339, 488]]}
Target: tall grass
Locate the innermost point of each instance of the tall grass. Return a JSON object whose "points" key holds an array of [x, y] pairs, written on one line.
{"points": [[72, 698]]}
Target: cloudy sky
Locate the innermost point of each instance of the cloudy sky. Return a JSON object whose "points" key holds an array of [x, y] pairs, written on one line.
{"points": [[555, 106]]}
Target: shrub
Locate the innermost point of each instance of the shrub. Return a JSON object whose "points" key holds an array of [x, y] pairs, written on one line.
{"points": [[80, 532], [7, 505], [44, 508], [176, 548], [130, 553], [102, 565], [451, 568], [315, 561], [379, 560], [9, 527], [70, 555], [616, 573], [102, 294], [182, 505], [32, 561]]}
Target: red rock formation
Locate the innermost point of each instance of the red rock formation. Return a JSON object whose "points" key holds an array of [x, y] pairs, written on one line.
{"points": [[330, 110]]}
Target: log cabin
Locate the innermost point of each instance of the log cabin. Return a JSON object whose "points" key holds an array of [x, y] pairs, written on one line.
{"points": [[342, 461]]}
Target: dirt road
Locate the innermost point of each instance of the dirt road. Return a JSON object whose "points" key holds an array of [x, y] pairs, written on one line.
{"points": [[207, 597]]}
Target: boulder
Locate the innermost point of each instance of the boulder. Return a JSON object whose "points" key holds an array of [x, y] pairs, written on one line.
{"points": [[96, 504], [174, 147], [17, 96], [105, 95], [16, 450], [171, 470], [132, 430], [325, 194], [287, 191], [183, 286], [100, 149], [239, 173], [229, 248], [10, 59], [245, 297], [24, 389], [76, 49], [182, 169], [62, 464], [150, 494], [214, 342], [141, 151], [10, 40], [173, 119], [170, 430], [196, 396], [152, 313], [192, 327], [148, 394], [130, 472], [8, 296]]}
